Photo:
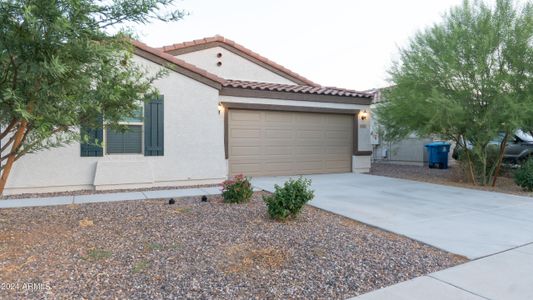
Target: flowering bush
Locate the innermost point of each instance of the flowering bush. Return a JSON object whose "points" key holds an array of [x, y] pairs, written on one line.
{"points": [[237, 190]]}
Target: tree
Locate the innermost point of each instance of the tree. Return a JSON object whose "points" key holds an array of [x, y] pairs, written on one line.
{"points": [[467, 79], [60, 68]]}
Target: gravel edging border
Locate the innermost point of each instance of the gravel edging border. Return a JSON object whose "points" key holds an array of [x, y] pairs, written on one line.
{"points": [[95, 192]]}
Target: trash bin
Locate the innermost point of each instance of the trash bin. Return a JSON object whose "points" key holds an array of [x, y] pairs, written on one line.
{"points": [[438, 154]]}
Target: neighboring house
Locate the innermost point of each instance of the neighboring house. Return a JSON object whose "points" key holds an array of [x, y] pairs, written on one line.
{"points": [[224, 110], [410, 151]]}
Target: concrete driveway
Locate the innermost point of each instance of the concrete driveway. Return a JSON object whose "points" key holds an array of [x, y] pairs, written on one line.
{"points": [[467, 222]]}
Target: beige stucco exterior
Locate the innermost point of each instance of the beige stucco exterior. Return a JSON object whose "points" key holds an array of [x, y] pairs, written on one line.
{"points": [[194, 149], [232, 66], [194, 128]]}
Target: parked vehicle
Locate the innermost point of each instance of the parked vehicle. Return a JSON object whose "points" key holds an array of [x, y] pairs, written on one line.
{"points": [[518, 149]]}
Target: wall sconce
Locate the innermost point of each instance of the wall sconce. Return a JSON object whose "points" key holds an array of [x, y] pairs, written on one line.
{"points": [[220, 108], [363, 115]]}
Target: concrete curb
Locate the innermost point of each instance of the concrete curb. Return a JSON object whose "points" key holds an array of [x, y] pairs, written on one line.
{"points": [[108, 197]]}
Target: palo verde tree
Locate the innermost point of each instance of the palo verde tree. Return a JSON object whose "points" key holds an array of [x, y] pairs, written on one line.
{"points": [[468, 79], [61, 68]]}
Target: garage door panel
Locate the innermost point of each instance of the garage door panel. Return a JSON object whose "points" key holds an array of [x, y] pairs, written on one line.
{"points": [[338, 134], [245, 168], [309, 165], [245, 133], [245, 151], [278, 133], [278, 117], [308, 142], [278, 168], [277, 150], [289, 143], [305, 133], [242, 115], [334, 121], [306, 150], [244, 142]]}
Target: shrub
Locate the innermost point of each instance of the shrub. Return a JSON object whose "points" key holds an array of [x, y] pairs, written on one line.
{"points": [[523, 177], [237, 190], [288, 201]]}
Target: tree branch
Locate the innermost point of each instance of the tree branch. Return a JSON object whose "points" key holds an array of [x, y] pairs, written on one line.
{"points": [[8, 128]]}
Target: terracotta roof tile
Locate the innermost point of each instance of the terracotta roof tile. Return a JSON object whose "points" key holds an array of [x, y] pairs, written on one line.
{"points": [[252, 85], [221, 39]]}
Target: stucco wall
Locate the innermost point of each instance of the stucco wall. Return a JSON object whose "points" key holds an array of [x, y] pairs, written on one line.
{"points": [[409, 151], [194, 148], [233, 66]]}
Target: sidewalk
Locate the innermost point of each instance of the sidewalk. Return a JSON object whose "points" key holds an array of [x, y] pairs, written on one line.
{"points": [[109, 197], [506, 275]]}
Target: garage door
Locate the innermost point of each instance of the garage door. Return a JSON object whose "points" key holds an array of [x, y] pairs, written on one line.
{"points": [[289, 143]]}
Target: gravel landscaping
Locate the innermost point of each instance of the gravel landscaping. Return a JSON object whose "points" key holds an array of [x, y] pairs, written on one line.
{"points": [[452, 176], [202, 250], [94, 192]]}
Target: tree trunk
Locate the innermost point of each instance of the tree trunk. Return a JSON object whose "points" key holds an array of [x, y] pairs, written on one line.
{"points": [[13, 154], [470, 167], [500, 159]]}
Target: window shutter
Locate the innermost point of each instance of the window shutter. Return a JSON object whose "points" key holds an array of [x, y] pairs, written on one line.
{"points": [[154, 127], [95, 138]]}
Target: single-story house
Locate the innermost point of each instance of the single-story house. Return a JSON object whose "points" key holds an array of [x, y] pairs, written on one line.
{"points": [[223, 110]]}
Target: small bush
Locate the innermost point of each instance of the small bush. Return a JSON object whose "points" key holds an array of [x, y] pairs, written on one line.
{"points": [[523, 177], [288, 201], [237, 190]]}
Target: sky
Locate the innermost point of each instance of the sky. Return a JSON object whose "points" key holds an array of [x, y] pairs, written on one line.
{"points": [[342, 43]]}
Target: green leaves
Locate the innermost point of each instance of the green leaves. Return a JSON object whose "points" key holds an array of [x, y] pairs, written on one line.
{"points": [[287, 201], [469, 77], [61, 68]]}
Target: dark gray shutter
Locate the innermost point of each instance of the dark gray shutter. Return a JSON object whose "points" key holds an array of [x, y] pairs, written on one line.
{"points": [[154, 141], [94, 145]]}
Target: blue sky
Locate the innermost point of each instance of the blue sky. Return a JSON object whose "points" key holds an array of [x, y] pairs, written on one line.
{"points": [[344, 43]]}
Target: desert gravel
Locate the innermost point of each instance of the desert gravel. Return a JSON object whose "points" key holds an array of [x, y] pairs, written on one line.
{"points": [[453, 176], [93, 192], [199, 250]]}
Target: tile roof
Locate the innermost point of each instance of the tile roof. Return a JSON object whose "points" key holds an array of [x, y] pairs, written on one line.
{"points": [[171, 59], [220, 39], [253, 85], [293, 88]]}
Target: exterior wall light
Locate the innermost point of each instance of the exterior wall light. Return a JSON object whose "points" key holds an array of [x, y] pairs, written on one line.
{"points": [[220, 108], [363, 115]]}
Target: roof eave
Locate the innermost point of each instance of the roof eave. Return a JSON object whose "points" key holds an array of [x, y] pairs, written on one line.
{"points": [[283, 95]]}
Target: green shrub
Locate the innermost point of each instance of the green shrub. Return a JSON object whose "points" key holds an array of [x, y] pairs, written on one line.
{"points": [[237, 190], [288, 201], [523, 177]]}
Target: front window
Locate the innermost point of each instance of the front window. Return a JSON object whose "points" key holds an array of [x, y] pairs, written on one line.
{"points": [[128, 141]]}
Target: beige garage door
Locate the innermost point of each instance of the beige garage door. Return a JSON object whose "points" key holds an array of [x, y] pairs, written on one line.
{"points": [[288, 143]]}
